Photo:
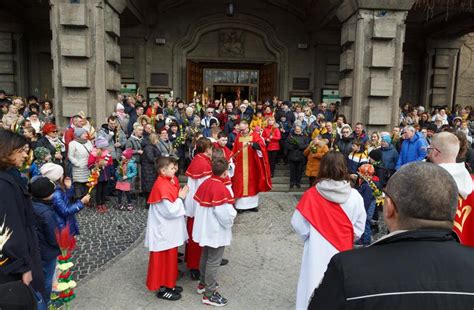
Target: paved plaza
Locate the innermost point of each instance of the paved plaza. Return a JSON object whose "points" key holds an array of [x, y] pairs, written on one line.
{"points": [[265, 258]]}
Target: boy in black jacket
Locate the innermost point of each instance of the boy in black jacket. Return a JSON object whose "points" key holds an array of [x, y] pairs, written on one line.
{"points": [[42, 190]]}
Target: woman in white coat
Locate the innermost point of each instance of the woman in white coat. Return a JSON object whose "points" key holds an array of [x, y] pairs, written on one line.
{"points": [[78, 155], [328, 218]]}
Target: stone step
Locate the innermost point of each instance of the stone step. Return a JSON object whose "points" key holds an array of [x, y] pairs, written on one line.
{"points": [[285, 188], [286, 180]]}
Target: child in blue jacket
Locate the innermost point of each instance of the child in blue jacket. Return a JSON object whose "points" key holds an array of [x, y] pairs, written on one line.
{"points": [[47, 222], [125, 174], [62, 196]]}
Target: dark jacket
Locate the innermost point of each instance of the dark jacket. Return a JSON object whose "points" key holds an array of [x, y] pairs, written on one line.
{"points": [[389, 157], [295, 146], [47, 221], [65, 209], [149, 174], [409, 270], [344, 145], [44, 142], [21, 252]]}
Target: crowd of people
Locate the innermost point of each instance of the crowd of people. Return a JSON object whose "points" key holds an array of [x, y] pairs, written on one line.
{"points": [[227, 150]]}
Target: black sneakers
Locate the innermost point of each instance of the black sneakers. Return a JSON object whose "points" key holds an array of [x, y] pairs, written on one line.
{"points": [[169, 294], [215, 300]]}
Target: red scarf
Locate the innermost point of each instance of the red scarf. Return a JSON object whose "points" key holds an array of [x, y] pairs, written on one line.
{"points": [[164, 188], [213, 193]]}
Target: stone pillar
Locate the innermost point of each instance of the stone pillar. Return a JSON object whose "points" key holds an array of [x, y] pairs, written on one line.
{"points": [[86, 56], [441, 71], [372, 37]]}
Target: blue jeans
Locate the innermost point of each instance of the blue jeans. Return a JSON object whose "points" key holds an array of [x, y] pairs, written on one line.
{"points": [[366, 236], [48, 269]]}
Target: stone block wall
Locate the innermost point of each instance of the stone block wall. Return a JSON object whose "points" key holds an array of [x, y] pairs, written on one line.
{"points": [[371, 63], [86, 56]]}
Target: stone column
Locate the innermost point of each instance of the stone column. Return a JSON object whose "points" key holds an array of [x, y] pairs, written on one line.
{"points": [[372, 37], [441, 71], [86, 56]]}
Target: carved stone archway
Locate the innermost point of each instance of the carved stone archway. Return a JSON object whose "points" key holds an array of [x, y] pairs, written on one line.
{"points": [[248, 23]]}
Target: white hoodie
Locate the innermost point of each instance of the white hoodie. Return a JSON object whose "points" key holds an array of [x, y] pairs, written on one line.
{"points": [[462, 177]]}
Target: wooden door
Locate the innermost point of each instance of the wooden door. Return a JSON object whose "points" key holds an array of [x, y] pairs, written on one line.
{"points": [[267, 81], [194, 79]]}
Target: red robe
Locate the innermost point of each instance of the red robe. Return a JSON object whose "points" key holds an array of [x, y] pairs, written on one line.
{"points": [[252, 173], [200, 167], [163, 265], [464, 220], [225, 149]]}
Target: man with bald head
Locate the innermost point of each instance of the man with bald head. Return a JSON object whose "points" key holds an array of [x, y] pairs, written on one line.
{"points": [[419, 264], [443, 151]]}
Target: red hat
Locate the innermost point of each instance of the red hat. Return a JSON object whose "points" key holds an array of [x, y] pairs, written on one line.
{"points": [[128, 153], [49, 127]]}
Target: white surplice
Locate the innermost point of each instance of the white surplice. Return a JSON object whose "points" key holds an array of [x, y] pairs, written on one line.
{"points": [[166, 226], [213, 225], [189, 203]]}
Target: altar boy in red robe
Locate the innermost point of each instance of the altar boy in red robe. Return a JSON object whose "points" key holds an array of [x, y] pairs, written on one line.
{"points": [[165, 231], [213, 220], [198, 171], [252, 169]]}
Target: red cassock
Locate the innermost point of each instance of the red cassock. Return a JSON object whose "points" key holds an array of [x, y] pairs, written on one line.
{"points": [[200, 167], [252, 172], [225, 149], [163, 265], [464, 220]]}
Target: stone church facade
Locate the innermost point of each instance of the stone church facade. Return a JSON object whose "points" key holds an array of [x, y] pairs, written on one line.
{"points": [[369, 55]]}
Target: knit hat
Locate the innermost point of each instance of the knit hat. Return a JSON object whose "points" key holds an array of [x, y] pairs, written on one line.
{"points": [[366, 170], [41, 153], [41, 187], [387, 139], [54, 172], [101, 143], [78, 132], [128, 153], [119, 107], [49, 127]]}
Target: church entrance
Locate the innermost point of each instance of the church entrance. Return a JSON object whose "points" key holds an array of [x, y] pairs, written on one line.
{"points": [[231, 81]]}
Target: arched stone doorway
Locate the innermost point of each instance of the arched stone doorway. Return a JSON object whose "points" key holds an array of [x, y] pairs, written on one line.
{"points": [[244, 44]]}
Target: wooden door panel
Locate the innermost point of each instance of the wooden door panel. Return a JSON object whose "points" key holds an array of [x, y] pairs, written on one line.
{"points": [[267, 81], [194, 79]]}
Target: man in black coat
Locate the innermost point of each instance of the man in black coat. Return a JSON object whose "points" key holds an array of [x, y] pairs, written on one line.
{"points": [[419, 265]]}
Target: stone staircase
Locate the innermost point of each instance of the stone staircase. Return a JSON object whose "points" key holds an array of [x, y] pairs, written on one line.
{"points": [[280, 180]]}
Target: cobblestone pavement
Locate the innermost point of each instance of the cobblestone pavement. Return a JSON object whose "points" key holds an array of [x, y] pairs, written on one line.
{"points": [[265, 258], [104, 236]]}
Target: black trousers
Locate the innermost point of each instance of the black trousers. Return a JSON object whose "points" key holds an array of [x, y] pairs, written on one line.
{"points": [[296, 171], [272, 158], [312, 181], [100, 191], [127, 195]]}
